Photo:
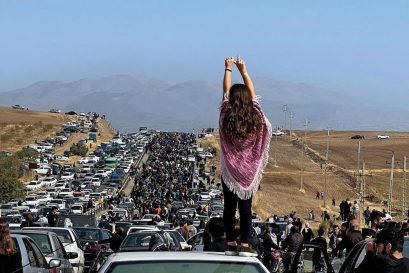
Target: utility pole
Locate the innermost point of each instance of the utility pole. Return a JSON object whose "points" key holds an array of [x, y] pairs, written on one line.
{"points": [[391, 184], [404, 187], [275, 151], [291, 124], [285, 110], [304, 140], [325, 170], [362, 195], [358, 165]]}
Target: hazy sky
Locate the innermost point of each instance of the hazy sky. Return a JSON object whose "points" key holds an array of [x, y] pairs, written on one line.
{"points": [[349, 46]]}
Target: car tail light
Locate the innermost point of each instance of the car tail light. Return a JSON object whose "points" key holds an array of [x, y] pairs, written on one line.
{"points": [[53, 270]]}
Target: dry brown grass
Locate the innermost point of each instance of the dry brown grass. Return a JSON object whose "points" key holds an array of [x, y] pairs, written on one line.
{"points": [[280, 189], [18, 128]]}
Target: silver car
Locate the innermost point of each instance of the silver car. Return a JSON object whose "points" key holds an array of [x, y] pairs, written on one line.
{"points": [[32, 258], [51, 247]]}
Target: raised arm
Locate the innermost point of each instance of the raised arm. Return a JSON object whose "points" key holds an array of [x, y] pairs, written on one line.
{"points": [[228, 64], [241, 65]]}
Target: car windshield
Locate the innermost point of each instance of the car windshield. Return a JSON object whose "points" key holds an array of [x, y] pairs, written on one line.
{"points": [[139, 239], [184, 267]]}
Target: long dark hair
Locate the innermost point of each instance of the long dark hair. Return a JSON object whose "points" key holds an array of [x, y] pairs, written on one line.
{"points": [[240, 119], [6, 242]]}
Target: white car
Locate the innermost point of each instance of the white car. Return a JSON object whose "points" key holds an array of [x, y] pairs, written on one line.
{"points": [[65, 192], [104, 173], [42, 170], [67, 176], [96, 181], [34, 185], [43, 197], [181, 262], [278, 133], [49, 181], [77, 209], [31, 200], [60, 185], [61, 158], [383, 137]]}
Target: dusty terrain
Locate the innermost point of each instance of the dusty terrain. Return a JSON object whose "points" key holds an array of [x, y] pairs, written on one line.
{"points": [[280, 190]]}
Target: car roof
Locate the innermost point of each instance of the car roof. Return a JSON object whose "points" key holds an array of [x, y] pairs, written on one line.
{"points": [[179, 256], [29, 231]]}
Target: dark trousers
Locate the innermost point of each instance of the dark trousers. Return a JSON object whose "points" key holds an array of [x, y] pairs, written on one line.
{"points": [[229, 215]]}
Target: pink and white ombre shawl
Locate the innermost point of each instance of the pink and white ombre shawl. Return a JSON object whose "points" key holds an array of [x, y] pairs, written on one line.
{"points": [[243, 160]]}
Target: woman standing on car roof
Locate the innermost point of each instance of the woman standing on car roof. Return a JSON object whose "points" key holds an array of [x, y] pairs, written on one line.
{"points": [[245, 135], [10, 257]]}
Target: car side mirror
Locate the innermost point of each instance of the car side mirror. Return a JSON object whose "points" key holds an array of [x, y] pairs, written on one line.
{"points": [[72, 255], [54, 263]]}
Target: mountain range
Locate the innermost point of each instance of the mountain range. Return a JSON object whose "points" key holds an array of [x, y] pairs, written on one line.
{"points": [[133, 101]]}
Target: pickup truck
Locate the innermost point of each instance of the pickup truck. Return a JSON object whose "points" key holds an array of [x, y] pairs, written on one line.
{"points": [[42, 170]]}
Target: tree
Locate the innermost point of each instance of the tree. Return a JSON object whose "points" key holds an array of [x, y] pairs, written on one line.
{"points": [[10, 186], [79, 149]]}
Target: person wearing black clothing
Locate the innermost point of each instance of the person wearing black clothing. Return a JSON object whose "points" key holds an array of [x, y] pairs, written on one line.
{"points": [[104, 223], [268, 245], [317, 258], [52, 217], [384, 254], [10, 257], [307, 233], [29, 222], [291, 244], [116, 240], [377, 218], [218, 241]]}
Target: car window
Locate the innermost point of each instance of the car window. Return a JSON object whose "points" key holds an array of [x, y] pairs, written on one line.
{"points": [[406, 248], [33, 254], [63, 235], [184, 267], [39, 256], [59, 251], [42, 241]]}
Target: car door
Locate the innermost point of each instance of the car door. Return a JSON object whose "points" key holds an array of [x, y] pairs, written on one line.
{"points": [[311, 257], [60, 253], [36, 259], [355, 258]]}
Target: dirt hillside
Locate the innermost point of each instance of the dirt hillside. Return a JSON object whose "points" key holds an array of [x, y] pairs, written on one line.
{"points": [[280, 189]]}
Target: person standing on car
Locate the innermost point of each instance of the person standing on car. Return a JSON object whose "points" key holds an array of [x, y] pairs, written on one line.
{"points": [[245, 135], [10, 257]]}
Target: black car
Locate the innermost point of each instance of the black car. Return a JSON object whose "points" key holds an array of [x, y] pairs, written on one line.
{"points": [[88, 237], [357, 137]]}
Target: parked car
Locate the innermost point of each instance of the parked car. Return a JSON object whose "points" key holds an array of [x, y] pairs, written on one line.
{"points": [[34, 185], [42, 170], [383, 137], [357, 137], [51, 247], [71, 244], [88, 237], [18, 106], [181, 262], [49, 181], [32, 258], [357, 255]]}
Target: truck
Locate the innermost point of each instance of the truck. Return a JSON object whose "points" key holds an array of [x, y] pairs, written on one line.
{"points": [[92, 136]]}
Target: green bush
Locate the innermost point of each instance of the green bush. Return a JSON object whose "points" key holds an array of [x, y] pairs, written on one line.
{"points": [[10, 186], [79, 149], [26, 153]]}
